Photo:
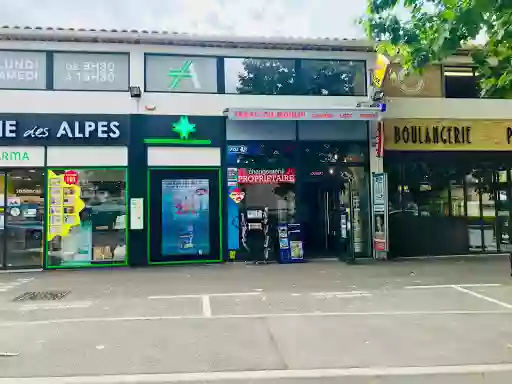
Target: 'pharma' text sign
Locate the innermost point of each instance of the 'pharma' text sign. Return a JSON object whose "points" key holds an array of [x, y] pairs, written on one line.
{"points": [[90, 71], [48, 129], [22, 70], [181, 74]]}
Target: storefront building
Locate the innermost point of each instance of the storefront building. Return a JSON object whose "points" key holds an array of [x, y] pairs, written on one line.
{"points": [[449, 169], [141, 154], [63, 184]]}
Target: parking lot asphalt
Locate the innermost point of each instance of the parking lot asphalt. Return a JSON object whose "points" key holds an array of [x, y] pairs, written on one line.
{"points": [[315, 322]]}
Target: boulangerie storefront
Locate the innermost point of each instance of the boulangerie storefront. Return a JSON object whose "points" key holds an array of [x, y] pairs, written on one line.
{"points": [[63, 190]]}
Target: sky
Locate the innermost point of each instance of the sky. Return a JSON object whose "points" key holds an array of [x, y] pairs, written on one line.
{"points": [[298, 18]]}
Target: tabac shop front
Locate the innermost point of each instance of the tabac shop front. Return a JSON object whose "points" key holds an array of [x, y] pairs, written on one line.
{"points": [[449, 186], [63, 190]]}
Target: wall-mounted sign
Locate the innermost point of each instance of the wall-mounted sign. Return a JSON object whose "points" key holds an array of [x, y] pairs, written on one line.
{"points": [[14, 156], [22, 70], [379, 140], [447, 135], [181, 130], [181, 74], [136, 213], [91, 71], [304, 114], [46, 129], [401, 83], [64, 207], [266, 176], [380, 213]]}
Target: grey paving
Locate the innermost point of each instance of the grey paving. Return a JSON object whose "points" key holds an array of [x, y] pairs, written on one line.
{"points": [[320, 315]]}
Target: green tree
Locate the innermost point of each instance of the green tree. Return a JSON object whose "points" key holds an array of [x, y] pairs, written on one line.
{"points": [[420, 32]]}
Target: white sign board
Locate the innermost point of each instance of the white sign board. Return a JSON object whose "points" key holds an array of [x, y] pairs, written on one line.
{"points": [[13, 156], [22, 70], [137, 213], [91, 71]]}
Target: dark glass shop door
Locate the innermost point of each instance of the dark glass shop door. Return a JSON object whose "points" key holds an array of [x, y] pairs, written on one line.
{"points": [[184, 215], [326, 220], [21, 218]]}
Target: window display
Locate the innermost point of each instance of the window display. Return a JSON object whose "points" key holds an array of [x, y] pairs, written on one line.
{"points": [[86, 217], [261, 194], [460, 196], [185, 217]]}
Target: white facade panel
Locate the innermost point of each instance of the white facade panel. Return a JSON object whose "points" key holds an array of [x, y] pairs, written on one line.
{"points": [[14, 156], [69, 156], [424, 108], [183, 156], [90, 102]]}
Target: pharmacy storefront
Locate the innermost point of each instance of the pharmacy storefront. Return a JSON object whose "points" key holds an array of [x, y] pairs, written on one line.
{"points": [[63, 190], [449, 186]]}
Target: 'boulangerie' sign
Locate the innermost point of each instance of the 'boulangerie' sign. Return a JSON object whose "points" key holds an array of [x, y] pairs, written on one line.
{"points": [[71, 129]]}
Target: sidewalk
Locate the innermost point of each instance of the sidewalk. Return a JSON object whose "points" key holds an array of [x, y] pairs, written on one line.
{"points": [[321, 322]]}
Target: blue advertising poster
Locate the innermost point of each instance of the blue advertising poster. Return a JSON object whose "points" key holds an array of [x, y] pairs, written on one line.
{"points": [[185, 217]]}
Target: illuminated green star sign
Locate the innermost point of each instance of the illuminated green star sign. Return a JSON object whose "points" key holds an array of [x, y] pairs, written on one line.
{"points": [[183, 127]]}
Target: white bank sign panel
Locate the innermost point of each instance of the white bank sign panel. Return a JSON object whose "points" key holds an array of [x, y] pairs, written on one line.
{"points": [[22, 70]]}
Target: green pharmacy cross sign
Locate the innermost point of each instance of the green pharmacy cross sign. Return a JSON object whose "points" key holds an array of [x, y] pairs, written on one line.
{"points": [[184, 128]]}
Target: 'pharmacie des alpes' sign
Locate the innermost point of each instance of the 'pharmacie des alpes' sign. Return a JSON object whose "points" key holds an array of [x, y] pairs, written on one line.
{"points": [[43, 129]]}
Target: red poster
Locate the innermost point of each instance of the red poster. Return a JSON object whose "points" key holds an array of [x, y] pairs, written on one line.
{"points": [[266, 176], [379, 150]]}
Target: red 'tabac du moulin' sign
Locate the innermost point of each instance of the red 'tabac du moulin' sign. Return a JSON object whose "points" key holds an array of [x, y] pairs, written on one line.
{"points": [[266, 176]]}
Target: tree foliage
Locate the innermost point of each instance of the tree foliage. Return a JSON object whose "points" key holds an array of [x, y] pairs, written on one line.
{"points": [[420, 32]]}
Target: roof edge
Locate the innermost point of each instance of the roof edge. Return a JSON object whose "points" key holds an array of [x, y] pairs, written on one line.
{"points": [[174, 38]]}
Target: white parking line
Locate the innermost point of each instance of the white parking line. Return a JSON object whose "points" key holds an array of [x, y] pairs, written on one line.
{"points": [[207, 307], [330, 295], [450, 286], [35, 307], [272, 374], [483, 297], [174, 297], [250, 316], [163, 297]]}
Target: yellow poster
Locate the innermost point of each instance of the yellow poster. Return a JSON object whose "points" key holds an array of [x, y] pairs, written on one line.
{"points": [[380, 71], [447, 135], [64, 206]]}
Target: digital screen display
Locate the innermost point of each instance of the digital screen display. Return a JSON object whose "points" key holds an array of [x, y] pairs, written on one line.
{"points": [[185, 217]]}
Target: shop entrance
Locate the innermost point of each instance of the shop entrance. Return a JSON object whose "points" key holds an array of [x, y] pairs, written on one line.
{"points": [[21, 218], [184, 221], [326, 217]]}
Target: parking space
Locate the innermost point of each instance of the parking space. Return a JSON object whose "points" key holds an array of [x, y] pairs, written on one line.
{"points": [[312, 317], [409, 300], [381, 301]]}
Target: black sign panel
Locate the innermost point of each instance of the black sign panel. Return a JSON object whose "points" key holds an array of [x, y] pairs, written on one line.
{"points": [[53, 129], [170, 127]]}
